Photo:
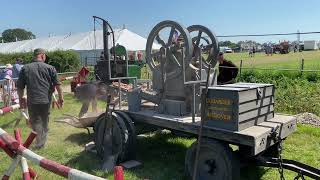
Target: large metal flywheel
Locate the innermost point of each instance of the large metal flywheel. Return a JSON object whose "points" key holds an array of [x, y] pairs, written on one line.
{"points": [[204, 40], [164, 61]]}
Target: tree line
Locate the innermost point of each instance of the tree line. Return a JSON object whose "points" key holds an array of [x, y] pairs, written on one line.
{"points": [[16, 34], [237, 45]]}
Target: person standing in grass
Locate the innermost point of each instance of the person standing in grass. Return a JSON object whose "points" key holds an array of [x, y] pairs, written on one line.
{"points": [[90, 93], [40, 80], [227, 71]]}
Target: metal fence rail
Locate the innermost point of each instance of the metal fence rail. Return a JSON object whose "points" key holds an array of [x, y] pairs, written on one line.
{"points": [[272, 69]]}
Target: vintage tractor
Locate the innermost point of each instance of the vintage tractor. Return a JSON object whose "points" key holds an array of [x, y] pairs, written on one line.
{"points": [[282, 48]]}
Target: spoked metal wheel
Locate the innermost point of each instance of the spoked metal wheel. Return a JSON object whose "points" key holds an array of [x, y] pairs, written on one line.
{"points": [[120, 136], [204, 40], [168, 59], [216, 161]]}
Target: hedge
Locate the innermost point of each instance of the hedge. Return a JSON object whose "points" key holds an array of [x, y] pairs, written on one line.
{"points": [[277, 75], [63, 61]]}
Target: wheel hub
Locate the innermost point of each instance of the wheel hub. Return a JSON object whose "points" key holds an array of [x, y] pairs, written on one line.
{"points": [[211, 166]]}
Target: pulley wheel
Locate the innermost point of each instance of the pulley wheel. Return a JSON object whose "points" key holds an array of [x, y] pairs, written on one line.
{"points": [[120, 140], [159, 58], [204, 40], [215, 161], [131, 150]]}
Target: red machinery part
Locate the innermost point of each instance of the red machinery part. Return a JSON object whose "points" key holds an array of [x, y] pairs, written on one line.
{"points": [[118, 173]]}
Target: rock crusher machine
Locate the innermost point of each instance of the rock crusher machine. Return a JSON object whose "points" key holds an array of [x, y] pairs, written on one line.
{"points": [[184, 98]]}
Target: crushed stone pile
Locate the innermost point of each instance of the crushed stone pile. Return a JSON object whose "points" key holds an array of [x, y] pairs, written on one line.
{"points": [[308, 118]]}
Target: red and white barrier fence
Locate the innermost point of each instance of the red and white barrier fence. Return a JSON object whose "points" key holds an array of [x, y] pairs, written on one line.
{"points": [[5, 110], [27, 171], [118, 173], [16, 150]]}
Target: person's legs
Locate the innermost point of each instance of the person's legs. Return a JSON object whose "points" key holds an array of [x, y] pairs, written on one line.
{"points": [[36, 123], [94, 105], [45, 122], [39, 118], [84, 107]]}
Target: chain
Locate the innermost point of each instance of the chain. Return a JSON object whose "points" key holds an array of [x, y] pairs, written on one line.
{"points": [[300, 175], [280, 168]]}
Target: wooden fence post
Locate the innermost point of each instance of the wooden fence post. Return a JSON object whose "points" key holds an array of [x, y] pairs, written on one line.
{"points": [[302, 66], [240, 68]]}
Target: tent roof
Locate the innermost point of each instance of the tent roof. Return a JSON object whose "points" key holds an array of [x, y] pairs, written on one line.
{"points": [[79, 41]]}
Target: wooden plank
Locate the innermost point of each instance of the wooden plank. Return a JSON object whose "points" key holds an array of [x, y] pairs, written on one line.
{"points": [[223, 88], [254, 84], [255, 136], [267, 90], [288, 124], [185, 124], [249, 95], [255, 104], [255, 113], [255, 121], [260, 135]]}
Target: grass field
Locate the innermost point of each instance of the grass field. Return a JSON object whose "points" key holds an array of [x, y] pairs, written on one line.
{"points": [[162, 154], [291, 60]]}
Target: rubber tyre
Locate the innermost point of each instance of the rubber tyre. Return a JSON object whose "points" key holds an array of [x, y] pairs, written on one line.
{"points": [[216, 161], [132, 134], [120, 137]]}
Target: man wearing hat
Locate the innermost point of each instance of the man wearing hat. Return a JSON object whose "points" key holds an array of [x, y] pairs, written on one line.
{"points": [[227, 70], [40, 80]]}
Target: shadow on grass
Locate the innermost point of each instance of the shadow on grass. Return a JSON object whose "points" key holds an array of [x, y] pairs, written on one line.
{"points": [[162, 156], [87, 162], [80, 138], [252, 172]]}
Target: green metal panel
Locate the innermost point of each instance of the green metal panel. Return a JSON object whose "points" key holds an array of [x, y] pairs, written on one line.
{"points": [[134, 71]]}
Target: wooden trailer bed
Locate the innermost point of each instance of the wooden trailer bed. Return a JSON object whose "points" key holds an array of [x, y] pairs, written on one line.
{"points": [[257, 137]]}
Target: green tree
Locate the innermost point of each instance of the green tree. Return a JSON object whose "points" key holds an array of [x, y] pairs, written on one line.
{"points": [[229, 44], [11, 35]]}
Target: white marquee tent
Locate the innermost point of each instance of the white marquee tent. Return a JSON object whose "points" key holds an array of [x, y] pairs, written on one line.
{"points": [[84, 43]]}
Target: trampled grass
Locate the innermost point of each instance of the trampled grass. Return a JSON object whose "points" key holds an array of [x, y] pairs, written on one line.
{"points": [[162, 153]]}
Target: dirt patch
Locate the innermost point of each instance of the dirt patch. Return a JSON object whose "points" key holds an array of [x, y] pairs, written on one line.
{"points": [[66, 88], [308, 118]]}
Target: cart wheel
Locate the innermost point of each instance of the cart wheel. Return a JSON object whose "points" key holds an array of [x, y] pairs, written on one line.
{"points": [[216, 161], [132, 134], [119, 139]]}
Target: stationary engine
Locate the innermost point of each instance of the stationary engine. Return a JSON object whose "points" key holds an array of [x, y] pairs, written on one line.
{"points": [[178, 67]]}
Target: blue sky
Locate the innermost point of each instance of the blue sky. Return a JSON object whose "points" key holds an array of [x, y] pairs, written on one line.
{"points": [[225, 17]]}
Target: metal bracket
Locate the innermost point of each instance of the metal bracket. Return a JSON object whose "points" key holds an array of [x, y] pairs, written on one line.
{"points": [[259, 93], [302, 169]]}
